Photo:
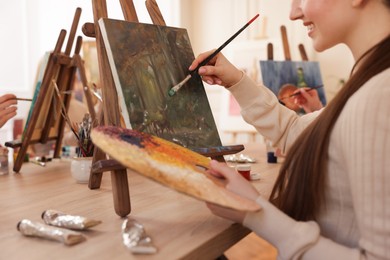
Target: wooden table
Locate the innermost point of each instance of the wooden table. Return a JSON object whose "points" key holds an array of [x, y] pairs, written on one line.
{"points": [[180, 226]]}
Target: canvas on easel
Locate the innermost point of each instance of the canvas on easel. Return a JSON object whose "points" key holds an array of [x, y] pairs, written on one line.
{"points": [[146, 60], [111, 115], [275, 74], [91, 61], [38, 83]]}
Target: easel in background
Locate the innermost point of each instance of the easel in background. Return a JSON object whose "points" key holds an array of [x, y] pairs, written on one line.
{"points": [[61, 69], [286, 47], [111, 114]]}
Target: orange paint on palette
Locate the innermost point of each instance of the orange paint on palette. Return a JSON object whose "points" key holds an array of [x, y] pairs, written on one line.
{"points": [[166, 151]]}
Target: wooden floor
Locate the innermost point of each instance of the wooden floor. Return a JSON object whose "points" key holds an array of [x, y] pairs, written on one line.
{"points": [[252, 247]]}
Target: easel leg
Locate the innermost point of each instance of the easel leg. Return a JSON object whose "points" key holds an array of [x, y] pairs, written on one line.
{"points": [[120, 192], [95, 179]]}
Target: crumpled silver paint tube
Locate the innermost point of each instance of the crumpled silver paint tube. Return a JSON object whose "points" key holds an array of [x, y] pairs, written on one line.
{"points": [[36, 229], [136, 239], [60, 219]]}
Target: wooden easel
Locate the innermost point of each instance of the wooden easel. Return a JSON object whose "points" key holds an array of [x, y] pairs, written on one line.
{"points": [[286, 47], [111, 113], [61, 68]]}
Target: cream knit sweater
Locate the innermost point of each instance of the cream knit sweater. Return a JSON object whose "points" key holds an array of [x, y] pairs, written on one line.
{"points": [[356, 220]]}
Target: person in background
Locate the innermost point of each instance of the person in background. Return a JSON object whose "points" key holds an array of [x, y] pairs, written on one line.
{"points": [[305, 102], [8, 108], [309, 101], [286, 98], [331, 198]]}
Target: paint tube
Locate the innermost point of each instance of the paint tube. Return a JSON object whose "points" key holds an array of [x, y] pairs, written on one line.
{"points": [[60, 219], [136, 239], [35, 229]]}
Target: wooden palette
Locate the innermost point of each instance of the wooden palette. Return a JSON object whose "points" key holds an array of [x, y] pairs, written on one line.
{"points": [[169, 164]]}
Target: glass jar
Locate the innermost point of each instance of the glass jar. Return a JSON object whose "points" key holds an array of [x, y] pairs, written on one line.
{"points": [[271, 156], [80, 168], [4, 167]]}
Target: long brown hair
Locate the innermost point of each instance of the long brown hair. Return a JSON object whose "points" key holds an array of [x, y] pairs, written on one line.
{"points": [[300, 188]]}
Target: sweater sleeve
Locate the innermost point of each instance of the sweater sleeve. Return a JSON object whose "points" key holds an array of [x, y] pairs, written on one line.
{"points": [[261, 108], [294, 239]]}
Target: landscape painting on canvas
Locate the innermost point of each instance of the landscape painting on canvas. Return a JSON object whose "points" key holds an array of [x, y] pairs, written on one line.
{"points": [[146, 61], [277, 73]]}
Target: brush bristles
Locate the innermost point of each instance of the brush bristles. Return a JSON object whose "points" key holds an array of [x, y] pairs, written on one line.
{"points": [[176, 88], [171, 92]]}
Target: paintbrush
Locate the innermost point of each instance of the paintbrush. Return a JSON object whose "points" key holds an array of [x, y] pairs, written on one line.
{"points": [[299, 93], [63, 110], [191, 73], [24, 99]]}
